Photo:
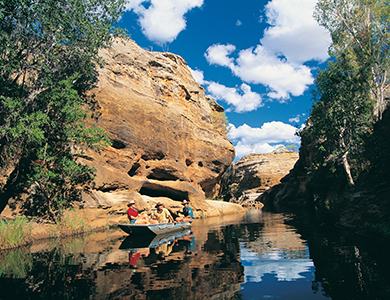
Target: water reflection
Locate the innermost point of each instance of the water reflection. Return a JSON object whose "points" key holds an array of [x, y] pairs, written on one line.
{"points": [[252, 256]]}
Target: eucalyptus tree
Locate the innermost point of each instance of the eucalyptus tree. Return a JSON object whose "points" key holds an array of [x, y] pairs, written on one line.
{"points": [[360, 32], [341, 117], [48, 58]]}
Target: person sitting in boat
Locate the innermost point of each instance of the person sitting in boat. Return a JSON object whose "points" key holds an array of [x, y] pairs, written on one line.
{"points": [[162, 215], [186, 214], [134, 216]]}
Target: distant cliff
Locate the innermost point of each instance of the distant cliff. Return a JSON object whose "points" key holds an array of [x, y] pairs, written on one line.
{"points": [[168, 138], [365, 209], [255, 173]]}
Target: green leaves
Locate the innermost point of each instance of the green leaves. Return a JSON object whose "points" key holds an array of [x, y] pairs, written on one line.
{"points": [[48, 55], [360, 34]]}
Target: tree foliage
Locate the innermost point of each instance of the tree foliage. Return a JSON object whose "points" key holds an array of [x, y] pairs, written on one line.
{"points": [[360, 31], [48, 55], [341, 117], [350, 92]]}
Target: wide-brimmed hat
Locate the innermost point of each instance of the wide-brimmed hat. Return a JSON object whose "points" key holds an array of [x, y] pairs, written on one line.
{"points": [[158, 204], [185, 202], [131, 203]]}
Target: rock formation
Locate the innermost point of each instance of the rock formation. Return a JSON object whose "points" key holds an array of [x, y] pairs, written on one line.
{"points": [[255, 173], [168, 138]]}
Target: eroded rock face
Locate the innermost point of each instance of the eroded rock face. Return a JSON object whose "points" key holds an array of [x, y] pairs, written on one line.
{"points": [[168, 138], [255, 173]]}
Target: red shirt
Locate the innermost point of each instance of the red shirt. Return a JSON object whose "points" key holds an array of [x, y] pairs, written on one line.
{"points": [[133, 258], [132, 212]]}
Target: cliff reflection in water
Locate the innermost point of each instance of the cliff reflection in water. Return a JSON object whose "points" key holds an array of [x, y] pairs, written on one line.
{"points": [[252, 256]]}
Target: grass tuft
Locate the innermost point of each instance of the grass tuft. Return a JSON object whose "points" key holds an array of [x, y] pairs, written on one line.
{"points": [[70, 223], [15, 233]]}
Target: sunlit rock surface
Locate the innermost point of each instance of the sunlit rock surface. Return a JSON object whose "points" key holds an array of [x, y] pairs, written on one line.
{"points": [[257, 172], [168, 139]]}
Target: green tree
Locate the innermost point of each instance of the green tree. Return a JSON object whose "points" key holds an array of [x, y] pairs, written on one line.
{"points": [[48, 58], [341, 117], [360, 30]]}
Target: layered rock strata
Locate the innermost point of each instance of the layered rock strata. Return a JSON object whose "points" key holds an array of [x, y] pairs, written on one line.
{"points": [[168, 138], [255, 173]]}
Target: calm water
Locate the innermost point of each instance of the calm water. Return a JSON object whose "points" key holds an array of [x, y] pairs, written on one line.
{"points": [[254, 256]]}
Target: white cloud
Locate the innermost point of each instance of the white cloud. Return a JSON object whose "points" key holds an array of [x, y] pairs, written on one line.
{"points": [[162, 20], [293, 38], [294, 32], [242, 98], [259, 66], [295, 120], [238, 23], [219, 55], [265, 139], [198, 76]]}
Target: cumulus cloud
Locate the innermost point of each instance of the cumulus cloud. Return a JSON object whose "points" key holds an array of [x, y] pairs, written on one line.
{"points": [[294, 32], [241, 98], [219, 55], [162, 20], [265, 139], [277, 62]]}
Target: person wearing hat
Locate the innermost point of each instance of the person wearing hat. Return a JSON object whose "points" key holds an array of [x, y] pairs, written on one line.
{"points": [[186, 214], [162, 215], [134, 216], [131, 212]]}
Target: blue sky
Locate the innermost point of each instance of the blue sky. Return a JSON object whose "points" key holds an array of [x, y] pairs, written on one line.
{"points": [[258, 59]]}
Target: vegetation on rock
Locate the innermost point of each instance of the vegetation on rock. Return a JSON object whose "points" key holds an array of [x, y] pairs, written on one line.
{"points": [[347, 147], [349, 93], [48, 55]]}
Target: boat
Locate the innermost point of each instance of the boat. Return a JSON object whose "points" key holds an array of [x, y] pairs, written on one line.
{"points": [[135, 242], [154, 229]]}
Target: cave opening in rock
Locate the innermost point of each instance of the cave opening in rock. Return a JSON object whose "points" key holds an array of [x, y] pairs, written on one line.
{"points": [[117, 144], [134, 169], [156, 190]]}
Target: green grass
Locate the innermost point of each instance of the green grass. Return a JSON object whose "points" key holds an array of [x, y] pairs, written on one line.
{"points": [[70, 223], [15, 233]]}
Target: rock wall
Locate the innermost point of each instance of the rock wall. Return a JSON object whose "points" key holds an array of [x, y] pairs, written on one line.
{"points": [[255, 173], [168, 138]]}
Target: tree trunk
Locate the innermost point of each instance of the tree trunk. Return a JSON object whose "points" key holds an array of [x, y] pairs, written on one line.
{"points": [[347, 169]]}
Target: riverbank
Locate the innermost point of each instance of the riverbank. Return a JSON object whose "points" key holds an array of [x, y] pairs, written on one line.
{"points": [[81, 220]]}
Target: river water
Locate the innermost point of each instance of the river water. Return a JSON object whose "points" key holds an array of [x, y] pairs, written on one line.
{"points": [[258, 255]]}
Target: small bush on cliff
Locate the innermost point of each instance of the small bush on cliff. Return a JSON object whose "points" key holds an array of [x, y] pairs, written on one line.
{"points": [[48, 55]]}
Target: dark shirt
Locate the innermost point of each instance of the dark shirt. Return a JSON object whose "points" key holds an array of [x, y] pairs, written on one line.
{"points": [[187, 211]]}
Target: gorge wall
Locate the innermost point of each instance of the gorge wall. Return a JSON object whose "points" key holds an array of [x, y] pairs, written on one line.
{"points": [[255, 173], [168, 138], [363, 209]]}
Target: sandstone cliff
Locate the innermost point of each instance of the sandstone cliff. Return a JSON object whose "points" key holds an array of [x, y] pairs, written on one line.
{"points": [[168, 138], [255, 173]]}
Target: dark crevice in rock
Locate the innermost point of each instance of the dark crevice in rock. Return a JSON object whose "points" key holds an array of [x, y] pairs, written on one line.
{"points": [[117, 144], [200, 164], [156, 190], [110, 188], [154, 63], [188, 162], [134, 169], [162, 174], [153, 155]]}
